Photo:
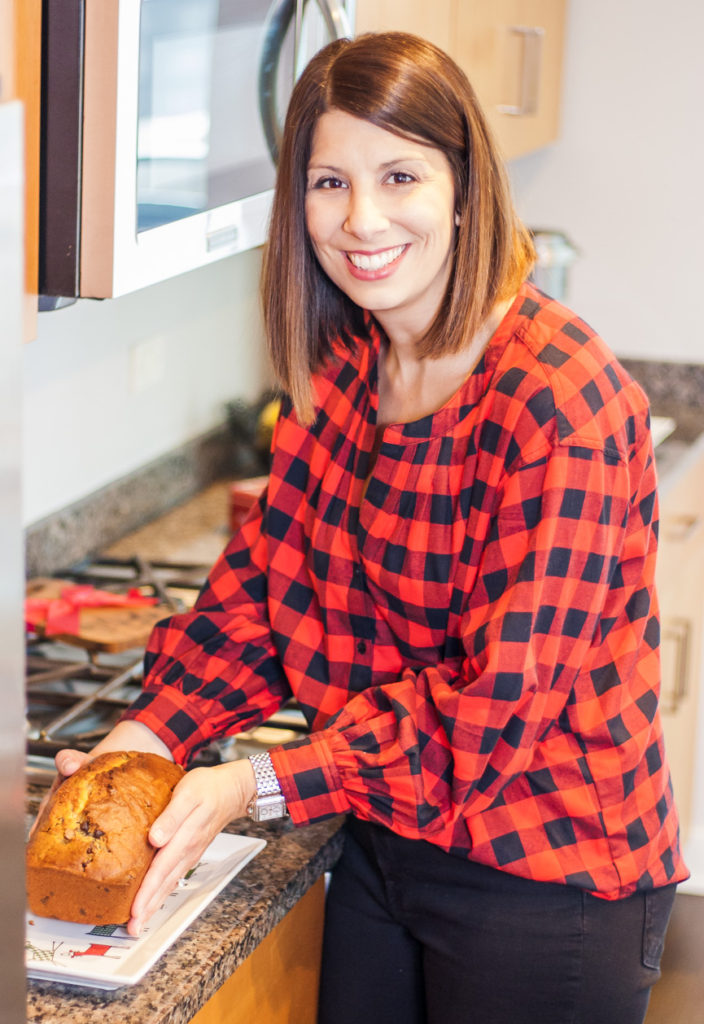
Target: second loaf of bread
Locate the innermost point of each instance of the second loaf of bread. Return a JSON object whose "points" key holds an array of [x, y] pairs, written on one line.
{"points": [[90, 851]]}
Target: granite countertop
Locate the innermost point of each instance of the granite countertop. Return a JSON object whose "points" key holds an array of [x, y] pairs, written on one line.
{"points": [[675, 391], [196, 531], [244, 913], [686, 443]]}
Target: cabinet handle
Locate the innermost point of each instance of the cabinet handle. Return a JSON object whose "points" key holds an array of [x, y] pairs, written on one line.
{"points": [[679, 631], [532, 37], [682, 528]]}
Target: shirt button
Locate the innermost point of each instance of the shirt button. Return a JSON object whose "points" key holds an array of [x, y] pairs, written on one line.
{"points": [[361, 646]]}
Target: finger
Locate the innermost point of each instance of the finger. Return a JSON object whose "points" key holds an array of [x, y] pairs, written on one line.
{"points": [[69, 761], [151, 901], [174, 816], [181, 839], [173, 861], [164, 874], [213, 795], [198, 809]]}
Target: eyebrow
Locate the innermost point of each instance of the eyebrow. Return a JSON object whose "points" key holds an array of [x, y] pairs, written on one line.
{"points": [[382, 167]]}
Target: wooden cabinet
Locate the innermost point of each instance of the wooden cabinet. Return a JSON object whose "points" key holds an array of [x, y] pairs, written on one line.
{"points": [[7, 63], [511, 51], [278, 982], [432, 21], [20, 78], [28, 47], [680, 578]]}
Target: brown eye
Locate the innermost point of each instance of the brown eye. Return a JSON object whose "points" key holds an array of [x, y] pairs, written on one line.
{"points": [[329, 182]]}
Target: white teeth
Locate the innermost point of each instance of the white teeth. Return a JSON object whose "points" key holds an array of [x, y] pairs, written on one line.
{"points": [[376, 260]]}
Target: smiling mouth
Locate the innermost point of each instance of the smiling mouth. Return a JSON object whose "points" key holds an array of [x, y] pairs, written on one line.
{"points": [[376, 260]]}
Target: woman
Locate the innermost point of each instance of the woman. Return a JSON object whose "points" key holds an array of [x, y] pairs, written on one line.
{"points": [[451, 570]]}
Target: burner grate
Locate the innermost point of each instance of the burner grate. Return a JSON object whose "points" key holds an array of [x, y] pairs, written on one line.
{"points": [[74, 696], [176, 584], [75, 703]]}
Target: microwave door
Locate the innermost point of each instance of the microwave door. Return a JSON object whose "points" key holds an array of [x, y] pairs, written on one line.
{"points": [[160, 133], [176, 169], [296, 30]]}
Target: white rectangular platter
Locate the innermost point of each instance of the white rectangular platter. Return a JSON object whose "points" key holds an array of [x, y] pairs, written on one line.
{"points": [[105, 956]]}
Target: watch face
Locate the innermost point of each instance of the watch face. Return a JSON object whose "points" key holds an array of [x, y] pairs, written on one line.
{"points": [[267, 808]]}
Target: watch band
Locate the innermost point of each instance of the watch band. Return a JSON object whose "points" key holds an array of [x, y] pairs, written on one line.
{"points": [[268, 802]]}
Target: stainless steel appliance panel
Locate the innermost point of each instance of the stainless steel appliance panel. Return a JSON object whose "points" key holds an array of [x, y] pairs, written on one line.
{"points": [[12, 901]]}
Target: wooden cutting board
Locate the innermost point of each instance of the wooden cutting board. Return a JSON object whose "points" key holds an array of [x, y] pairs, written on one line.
{"points": [[101, 629]]}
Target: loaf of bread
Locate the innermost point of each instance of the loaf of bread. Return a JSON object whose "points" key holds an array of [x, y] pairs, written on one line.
{"points": [[90, 851]]}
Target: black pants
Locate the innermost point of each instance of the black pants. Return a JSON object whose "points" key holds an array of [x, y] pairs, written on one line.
{"points": [[416, 936]]}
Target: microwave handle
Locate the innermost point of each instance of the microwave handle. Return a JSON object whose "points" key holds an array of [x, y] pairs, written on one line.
{"points": [[281, 13], [336, 18], [336, 22], [278, 20]]}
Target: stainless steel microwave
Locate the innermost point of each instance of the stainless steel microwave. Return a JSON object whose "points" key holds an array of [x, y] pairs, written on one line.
{"points": [[160, 125]]}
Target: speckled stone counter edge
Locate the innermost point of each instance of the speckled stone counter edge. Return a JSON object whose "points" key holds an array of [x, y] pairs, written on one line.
{"points": [[675, 390], [681, 384]]}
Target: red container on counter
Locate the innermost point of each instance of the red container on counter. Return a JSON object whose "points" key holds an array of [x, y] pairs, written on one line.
{"points": [[244, 494]]}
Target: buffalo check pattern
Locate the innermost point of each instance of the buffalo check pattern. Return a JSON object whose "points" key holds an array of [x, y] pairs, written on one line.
{"points": [[469, 624]]}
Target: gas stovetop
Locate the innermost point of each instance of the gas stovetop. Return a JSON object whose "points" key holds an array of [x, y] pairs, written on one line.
{"points": [[176, 584], [76, 692]]}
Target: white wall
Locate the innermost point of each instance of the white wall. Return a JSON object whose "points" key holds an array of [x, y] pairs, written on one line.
{"points": [[110, 385], [625, 181]]}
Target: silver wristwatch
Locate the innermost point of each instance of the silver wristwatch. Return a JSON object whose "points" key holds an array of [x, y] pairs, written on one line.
{"points": [[268, 802]]}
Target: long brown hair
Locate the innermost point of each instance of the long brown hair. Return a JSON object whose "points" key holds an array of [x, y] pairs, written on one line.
{"points": [[409, 87]]}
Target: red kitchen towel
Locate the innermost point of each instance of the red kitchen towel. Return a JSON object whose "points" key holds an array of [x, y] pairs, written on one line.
{"points": [[61, 615]]}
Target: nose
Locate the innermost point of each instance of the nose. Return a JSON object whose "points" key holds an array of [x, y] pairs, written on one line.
{"points": [[365, 216]]}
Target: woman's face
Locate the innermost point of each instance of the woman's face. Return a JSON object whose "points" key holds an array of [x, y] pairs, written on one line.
{"points": [[380, 212]]}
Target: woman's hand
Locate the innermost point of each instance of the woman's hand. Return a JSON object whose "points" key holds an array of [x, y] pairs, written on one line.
{"points": [[204, 801]]}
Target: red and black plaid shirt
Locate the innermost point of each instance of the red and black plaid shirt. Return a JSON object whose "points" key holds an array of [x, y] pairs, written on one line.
{"points": [[474, 639]]}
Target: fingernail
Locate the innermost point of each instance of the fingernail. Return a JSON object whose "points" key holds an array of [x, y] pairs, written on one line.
{"points": [[156, 836]]}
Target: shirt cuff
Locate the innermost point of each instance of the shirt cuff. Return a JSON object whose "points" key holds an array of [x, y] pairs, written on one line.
{"points": [[309, 780], [165, 714]]}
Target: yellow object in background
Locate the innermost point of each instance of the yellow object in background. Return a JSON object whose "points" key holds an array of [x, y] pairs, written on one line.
{"points": [[266, 423]]}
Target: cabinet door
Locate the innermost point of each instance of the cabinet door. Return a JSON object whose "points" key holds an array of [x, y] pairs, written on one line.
{"points": [[20, 74], [278, 982], [511, 50], [680, 577], [433, 21]]}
